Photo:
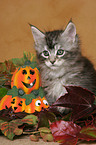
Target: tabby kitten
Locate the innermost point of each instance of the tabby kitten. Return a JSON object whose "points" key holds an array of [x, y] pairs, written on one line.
{"points": [[61, 61]]}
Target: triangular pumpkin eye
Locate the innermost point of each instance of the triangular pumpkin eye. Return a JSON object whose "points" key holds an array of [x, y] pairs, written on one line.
{"points": [[15, 108], [24, 72]]}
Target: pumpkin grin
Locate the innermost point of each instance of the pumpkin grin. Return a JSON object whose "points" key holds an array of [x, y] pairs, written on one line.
{"points": [[26, 78], [29, 85]]}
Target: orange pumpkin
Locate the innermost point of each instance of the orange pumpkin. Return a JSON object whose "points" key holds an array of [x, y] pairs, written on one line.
{"points": [[37, 105], [18, 104], [5, 102], [26, 78]]}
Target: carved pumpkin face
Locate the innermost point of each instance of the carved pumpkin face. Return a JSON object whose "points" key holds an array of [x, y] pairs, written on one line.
{"points": [[17, 103], [44, 103], [26, 78], [37, 105]]}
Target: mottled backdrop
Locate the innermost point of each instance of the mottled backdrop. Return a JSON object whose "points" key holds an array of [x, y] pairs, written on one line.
{"points": [[15, 33]]}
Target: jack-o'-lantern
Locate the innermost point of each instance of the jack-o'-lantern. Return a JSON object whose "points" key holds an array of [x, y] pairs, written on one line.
{"points": [[26, 78], [17, 103], [35, 101], [37, 105]]}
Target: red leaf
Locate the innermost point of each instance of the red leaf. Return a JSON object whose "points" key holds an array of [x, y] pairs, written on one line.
{"points": [[9, 114], [65, 132], [79, 99], [70, 141]]}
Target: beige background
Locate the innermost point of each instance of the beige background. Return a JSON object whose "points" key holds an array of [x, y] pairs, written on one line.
{"points": [[15, 33], [25, 140], [16, 37]]}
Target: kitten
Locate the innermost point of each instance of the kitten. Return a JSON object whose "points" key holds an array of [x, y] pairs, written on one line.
{"points": [[61, 61]]}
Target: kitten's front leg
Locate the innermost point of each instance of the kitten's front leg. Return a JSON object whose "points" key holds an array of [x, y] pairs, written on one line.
{"points": [[62, 110]]}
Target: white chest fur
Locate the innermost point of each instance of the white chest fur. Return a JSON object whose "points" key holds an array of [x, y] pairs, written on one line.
{"points": [[55, 89]]}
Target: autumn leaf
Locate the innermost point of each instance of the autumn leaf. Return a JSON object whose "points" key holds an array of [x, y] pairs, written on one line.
{"points": [[6, 70], [46, 134], [44, 130], [44, 117], [79, 99], [27, 56], [88, 133], [30, 119], [34, 138], [8, 128], [10, 67], [65, 132], [8, 114], [3, 92], [13, 91], [12, 128], [7, 66]]}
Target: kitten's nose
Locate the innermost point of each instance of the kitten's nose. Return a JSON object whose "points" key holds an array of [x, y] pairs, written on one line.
{"points": [[52, 62]]}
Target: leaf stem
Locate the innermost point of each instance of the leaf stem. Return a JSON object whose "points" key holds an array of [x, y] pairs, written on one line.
{"points": [[35, 132]]}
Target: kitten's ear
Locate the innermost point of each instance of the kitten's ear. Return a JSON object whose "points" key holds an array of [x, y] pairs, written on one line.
{"points": [[37, 34], [70, 31]]}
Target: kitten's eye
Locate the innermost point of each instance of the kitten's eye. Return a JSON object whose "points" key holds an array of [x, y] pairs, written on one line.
{"points": [[45, 53], [60, 52]]}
